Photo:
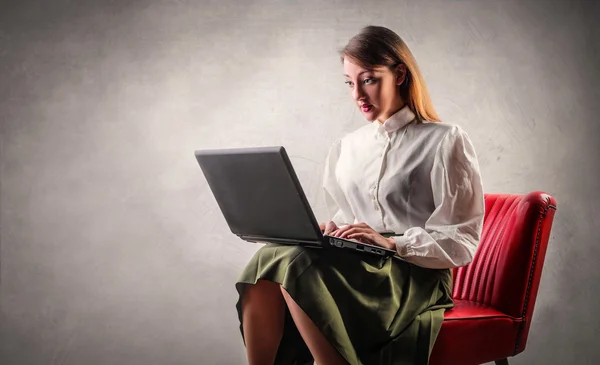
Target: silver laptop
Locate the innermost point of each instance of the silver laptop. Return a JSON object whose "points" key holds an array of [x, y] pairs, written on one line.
{"points": [[262, 200]]}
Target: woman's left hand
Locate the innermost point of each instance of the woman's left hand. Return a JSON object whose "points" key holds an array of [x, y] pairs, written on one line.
{"points": [[364, 233]]}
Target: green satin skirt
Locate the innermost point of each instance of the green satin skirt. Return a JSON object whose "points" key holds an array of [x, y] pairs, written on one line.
{"points": [[373, 310]]}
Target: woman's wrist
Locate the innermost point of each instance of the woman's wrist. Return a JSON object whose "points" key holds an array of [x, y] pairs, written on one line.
{"points": [[391, 243]]}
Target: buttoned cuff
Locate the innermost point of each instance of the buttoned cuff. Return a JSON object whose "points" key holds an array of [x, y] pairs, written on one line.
{"points": [[403, 246]]}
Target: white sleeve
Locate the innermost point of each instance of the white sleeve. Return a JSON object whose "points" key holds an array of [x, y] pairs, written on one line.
{"points": [[337, 205], [452, 232]]}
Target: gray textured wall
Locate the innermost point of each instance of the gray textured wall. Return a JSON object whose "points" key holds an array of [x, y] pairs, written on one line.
{"points": [[113, 250]]}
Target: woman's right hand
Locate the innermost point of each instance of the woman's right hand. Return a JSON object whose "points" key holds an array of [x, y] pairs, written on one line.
{"points": [[328, 227]]}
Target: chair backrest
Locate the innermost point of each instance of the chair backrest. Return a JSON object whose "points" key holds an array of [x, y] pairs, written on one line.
{"points": [[506, 270]]}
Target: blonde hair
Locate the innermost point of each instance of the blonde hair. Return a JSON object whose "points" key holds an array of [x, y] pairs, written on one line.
{"points": [[379, 46]]}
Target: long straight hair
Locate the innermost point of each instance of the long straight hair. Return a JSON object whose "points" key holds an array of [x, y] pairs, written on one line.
{"points": [[377, 46]]}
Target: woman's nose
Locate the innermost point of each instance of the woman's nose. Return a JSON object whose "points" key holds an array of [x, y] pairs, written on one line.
{"points": [[357, 93]]}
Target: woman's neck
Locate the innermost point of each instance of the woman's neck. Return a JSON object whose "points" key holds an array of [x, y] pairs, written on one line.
{"points": [[394, 110]]}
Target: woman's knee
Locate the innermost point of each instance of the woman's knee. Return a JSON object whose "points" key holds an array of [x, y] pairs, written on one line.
{"points": [[263, 291]]}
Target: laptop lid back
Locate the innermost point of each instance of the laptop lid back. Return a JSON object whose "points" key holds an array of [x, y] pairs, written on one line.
{"points": [[259, 193]]}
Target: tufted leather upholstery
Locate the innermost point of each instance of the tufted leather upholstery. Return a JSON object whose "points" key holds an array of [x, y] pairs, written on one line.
{"points": [[495, 294]]}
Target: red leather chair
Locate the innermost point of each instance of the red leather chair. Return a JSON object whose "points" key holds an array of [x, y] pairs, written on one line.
{"points": [[495, 294]]}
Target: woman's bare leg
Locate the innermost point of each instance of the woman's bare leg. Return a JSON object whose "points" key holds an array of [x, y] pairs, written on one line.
{"points": [[323, 352], [263, 315]]}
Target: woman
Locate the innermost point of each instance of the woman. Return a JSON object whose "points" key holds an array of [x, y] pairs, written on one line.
{"points": [[403, 172]]}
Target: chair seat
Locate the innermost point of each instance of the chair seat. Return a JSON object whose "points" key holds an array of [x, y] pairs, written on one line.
{"points": [[474, 333]]}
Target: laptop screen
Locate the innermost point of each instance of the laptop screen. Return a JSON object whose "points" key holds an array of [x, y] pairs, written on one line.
{"points": [[259, 193]]}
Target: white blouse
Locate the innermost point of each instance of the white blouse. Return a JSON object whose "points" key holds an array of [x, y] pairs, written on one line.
{"points": [[420, 180]]}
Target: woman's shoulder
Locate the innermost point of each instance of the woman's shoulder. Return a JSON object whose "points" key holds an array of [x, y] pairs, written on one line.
{"points": [[357, 134], [438, 129]]}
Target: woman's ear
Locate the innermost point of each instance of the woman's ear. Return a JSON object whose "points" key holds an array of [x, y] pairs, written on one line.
{"points": [[400, 74]]}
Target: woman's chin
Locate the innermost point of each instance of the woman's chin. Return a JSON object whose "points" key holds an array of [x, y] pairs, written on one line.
{"points": [[370, 115]]}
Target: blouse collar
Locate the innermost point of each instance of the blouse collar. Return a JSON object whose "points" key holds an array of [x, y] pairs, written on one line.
{"points": [[398, 120]]}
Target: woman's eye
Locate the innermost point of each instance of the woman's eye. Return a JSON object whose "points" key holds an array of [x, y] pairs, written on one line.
{"points": [[349, 83], [367, 81]]}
